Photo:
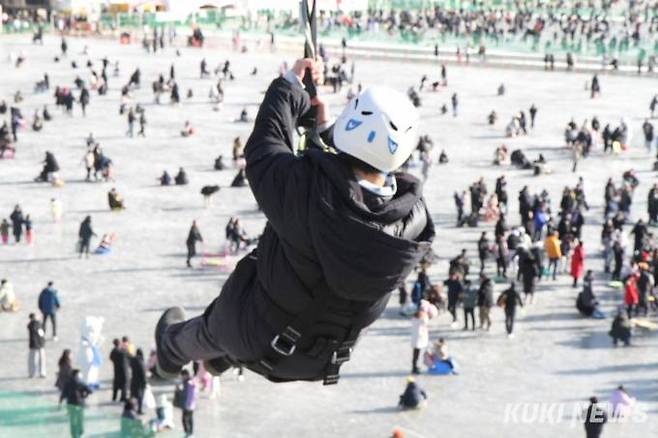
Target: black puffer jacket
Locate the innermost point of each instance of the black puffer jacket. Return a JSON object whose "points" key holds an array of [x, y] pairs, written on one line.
{"points": [[323, 233]]}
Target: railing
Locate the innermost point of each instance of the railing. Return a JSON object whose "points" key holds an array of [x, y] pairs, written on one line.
{"points": [[625, 50], [22, 26]]}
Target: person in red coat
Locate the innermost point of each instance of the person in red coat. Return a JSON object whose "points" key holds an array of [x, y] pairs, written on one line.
{"points": [[578, 263], [632, 295]]}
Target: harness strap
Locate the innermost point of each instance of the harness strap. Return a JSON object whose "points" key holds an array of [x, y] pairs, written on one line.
{"points": [[284, 344], [341, 355]]}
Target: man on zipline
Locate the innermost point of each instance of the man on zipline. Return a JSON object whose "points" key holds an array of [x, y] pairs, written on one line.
{"points": [[343, 231]]}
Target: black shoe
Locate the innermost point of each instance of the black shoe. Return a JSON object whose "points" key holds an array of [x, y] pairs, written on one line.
{"points": [[165, 369], [415, 370]]}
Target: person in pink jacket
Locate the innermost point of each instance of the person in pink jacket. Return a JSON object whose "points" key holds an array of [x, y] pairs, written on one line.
{"points": [[621, 403], [578, 263]]}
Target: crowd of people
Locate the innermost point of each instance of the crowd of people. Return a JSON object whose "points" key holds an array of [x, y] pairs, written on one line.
{"points": [[604, 29], [544, 244], [133, 377]]}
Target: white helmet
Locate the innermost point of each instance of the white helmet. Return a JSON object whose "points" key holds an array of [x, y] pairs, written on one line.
{"points": [[378, 127]]}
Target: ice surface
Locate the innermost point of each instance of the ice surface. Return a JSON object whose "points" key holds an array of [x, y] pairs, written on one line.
{"points": [[556, 357]]}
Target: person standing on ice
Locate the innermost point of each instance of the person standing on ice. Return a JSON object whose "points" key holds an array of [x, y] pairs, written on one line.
{"points": [[4, 231], [29, 230], [49, 305], [485, 301], [193, 237], [595, 418], [191, 395], [120, 361], [344, 230], [17, 220], [138, 379], [142, 124], [37, 342], [578, 263], [56, 209], [84, 100], [131, 123], [85, 233], [508, 300], [75, 392], [420, 334]]}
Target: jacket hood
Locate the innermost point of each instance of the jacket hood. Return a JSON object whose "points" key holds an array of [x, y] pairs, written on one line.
{"points": [[363, 204], [359, 260]]}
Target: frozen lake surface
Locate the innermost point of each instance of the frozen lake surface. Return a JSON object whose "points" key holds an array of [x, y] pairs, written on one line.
{"points": [[555, 358]]}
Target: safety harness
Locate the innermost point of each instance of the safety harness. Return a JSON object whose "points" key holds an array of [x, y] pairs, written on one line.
{"points": [[301, 329], [297, 331]]}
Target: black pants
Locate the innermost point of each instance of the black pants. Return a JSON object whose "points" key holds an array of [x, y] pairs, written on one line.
{"points": [[501, 267], [626, 340], [469, 311], [191, 252], [119, 385], [403, 295], [616, 274], [188, 422], [509, 321], [414, 360], [138, 394], [84, 247], [53, 321], [452, 308], [653, 216], [192, 340], [593, 433]]}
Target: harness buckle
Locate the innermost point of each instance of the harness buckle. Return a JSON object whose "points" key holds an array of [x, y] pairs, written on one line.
{"points": [[285, 342], [341, 355]]}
